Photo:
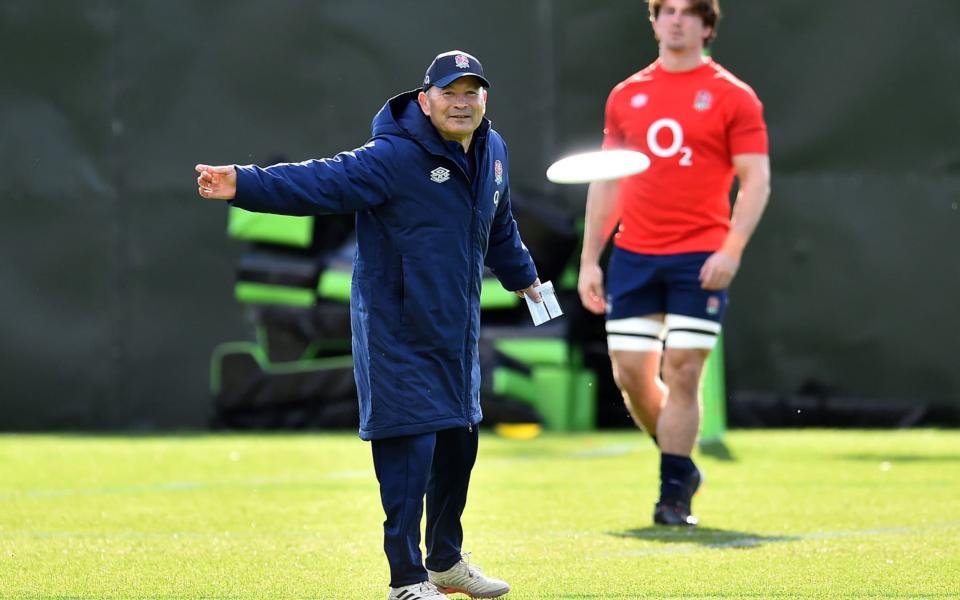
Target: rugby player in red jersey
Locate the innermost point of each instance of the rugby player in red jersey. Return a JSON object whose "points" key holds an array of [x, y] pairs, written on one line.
{"points": [[677, 247]]}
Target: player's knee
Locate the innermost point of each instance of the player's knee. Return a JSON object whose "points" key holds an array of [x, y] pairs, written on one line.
{"points": [[623, 377], [683, 375], [632, 380]]}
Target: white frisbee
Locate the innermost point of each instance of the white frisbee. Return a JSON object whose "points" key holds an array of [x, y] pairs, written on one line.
{"points": [[601, 165]]}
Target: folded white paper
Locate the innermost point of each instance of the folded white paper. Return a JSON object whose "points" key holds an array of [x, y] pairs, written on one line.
{"points": [[549, 308], [538, 311], [550, 300]]}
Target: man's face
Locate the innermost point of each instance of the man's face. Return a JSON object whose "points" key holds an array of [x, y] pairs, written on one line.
{"points": [[679, 27], [456, 110]]}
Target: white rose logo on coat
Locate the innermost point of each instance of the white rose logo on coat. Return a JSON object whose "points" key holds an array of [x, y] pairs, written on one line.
{"points": [[498, 172], [461, 61], [439, 175]]}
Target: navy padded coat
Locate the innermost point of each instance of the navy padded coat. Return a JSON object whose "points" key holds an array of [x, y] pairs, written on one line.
{"points": [[425, 230]]}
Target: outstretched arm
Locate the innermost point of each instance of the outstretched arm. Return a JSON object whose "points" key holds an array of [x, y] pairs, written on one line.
{"points": [[601, 218], [347, 182], [753, 171], [217, 183]]}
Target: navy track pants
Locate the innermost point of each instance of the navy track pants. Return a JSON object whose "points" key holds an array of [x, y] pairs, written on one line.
{"points": [[436, 464]]}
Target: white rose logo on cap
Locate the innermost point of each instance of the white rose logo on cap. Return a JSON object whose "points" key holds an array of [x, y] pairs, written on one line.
{"points": [[450, 66]]}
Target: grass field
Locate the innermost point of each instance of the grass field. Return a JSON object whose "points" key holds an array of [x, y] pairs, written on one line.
{"points": [[789, 514]]}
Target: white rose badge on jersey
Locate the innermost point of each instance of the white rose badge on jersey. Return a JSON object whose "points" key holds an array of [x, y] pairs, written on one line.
{"points": [[549, 308]]}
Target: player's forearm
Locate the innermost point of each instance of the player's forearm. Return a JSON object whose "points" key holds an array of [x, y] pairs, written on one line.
{"points": [[747, 211], [285, 189], [600, 219]]}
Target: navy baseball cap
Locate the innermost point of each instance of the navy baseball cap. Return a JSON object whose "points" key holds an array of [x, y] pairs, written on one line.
{"points": [[450, 66]]}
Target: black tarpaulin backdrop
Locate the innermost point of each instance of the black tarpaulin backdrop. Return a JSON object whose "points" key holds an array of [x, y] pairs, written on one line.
{"points": [[117, 279]]}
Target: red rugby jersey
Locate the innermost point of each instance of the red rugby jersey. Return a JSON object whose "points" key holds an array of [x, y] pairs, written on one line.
{"points": [[690, 124]]}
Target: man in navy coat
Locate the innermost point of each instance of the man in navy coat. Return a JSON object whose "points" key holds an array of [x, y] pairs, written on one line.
{"points": [[431, 193]]}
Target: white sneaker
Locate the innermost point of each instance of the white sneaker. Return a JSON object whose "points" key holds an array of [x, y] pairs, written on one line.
{"points": [[417, 591], [467, 579]]}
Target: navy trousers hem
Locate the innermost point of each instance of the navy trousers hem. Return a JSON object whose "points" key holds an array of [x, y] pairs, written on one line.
{"points": [[436, 465]]}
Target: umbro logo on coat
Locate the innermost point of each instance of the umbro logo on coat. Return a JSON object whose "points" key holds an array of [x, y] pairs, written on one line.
{"points": [[440, 174]]}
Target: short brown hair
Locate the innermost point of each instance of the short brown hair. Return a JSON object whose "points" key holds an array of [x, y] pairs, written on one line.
{"points": [[709, 11]]}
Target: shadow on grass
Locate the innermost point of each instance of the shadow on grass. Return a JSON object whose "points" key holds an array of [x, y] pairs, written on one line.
{"points": [[791, 595], [703, 536], [718, 450], [902, 458]]}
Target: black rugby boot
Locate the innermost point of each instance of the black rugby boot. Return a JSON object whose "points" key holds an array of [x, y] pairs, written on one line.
{"points": [[677, 511]]}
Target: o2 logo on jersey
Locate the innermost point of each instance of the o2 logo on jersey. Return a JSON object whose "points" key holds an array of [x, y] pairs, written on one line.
{"points": [[675, 147]]}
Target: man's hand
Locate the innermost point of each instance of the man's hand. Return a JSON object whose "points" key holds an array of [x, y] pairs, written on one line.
{"points": [[217, 183], [529, 291], [590, 288], [718, 271]]}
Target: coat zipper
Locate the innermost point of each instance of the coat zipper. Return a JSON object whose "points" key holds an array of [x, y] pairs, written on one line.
{"points": [[467, 396], [475, 187], [473, 241]]}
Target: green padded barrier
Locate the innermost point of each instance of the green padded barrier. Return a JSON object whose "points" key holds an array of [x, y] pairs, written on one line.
{"points": [[583, 400], [568, 280], [280, 368], [535, 351], [335, 285], [329, 346], [714, 422], [563, 393], [306, 366], [508, 382], [231, 348], [564, 397], [275, 229], [262, 293], [492, 295], [546, 389]]}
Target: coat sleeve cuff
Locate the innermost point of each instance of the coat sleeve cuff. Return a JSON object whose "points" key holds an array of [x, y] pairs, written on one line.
{"points": [[518, 280], [245, 177]]}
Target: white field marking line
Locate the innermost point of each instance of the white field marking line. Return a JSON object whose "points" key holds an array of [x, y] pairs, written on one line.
{"points": [[602, 452], [152, 597], [617, 450], [187, 486], [677, 548], [165, 535], [752, 541]]}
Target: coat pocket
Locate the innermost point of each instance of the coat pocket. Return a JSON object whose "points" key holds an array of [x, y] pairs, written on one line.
{"points": [[434, 310]]}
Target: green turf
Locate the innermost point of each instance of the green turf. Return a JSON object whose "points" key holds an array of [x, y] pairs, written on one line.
{"points": [[811, 514]]}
